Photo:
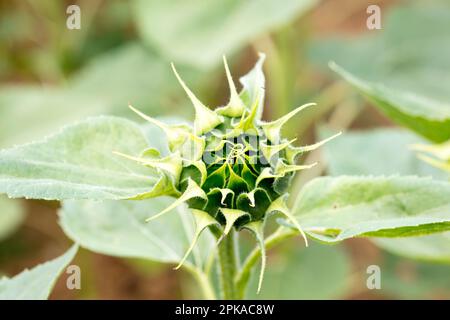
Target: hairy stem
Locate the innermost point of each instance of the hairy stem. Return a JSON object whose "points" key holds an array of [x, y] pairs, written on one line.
{"points": [[243, 277], [227, 266]]}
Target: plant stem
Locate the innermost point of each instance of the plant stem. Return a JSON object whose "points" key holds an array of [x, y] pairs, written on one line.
{"points": [[203, 280], [205, 285], [243, 277], [227, 266]]}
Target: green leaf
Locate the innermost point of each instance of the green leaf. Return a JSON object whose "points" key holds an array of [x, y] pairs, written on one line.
{"points": [[302, 273], [426, 115], [199, 33], [118, 228], [403, 69], [368, 152], [78, 163], [11, 216], [334, 209], [37, 283]]}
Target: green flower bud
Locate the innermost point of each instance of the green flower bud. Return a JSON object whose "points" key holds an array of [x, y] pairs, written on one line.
{"points": [[231, 168]]}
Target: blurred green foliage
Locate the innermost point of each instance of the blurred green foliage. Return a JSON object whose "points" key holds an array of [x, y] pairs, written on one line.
{"points": [[403, 69], [198, 33]]}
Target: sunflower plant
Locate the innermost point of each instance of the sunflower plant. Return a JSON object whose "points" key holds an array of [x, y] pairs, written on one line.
{"points": [[183, 193]]}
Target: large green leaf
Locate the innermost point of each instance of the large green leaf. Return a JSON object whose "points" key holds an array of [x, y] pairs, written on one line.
{"points": [[404, 69], [105, 85], [11, 216], [78, 163], [333, 209], [427, 115], [118, 228], [37, 283], [387, 151], [198, 33], [302, 274]]}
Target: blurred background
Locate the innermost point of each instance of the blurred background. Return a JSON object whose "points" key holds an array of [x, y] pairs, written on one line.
{"points": [[51, 76]]}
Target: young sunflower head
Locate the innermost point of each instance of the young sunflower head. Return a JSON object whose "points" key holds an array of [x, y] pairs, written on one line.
{"points": [[230, 167]]}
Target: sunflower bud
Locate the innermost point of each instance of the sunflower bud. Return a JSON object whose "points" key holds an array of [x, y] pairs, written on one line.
{"points": [[231, 168]]}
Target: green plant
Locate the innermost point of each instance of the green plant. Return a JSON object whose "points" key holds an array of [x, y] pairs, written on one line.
{"points": [[232, 169]]}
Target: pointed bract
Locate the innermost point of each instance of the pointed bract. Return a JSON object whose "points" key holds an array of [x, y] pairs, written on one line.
{"points": [[225, 192], [200, 165], [272, 129], [202, 221], [279, 205], [171, 165], [254, 87], [176, 134], [251, 196], [231, 215], [292, 152], [192, 191], [235, 106], [205, 118], [269, 151], [163, 187], [283, 168], [193, 147], [257, 228], [266, 173]]}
